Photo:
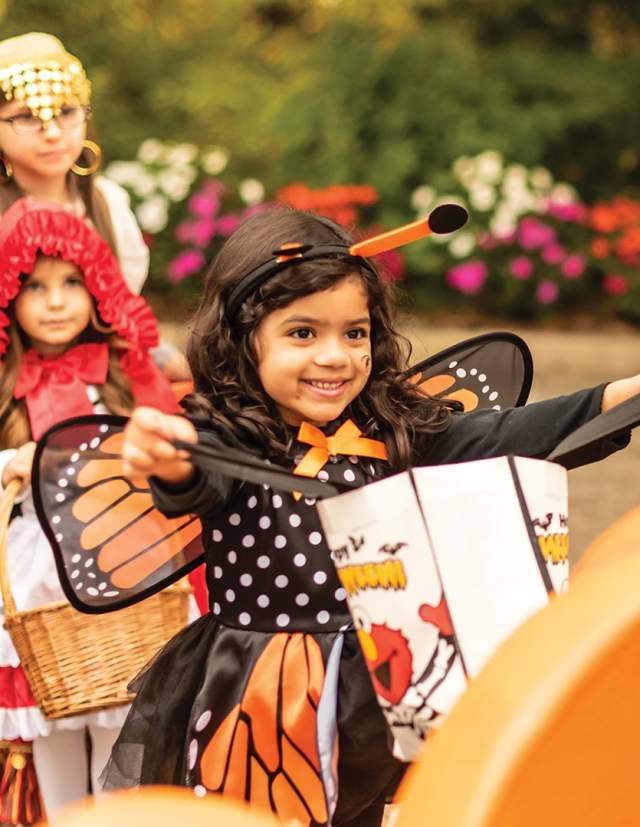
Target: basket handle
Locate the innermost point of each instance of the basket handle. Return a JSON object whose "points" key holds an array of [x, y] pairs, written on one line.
{"points": [[6, 505]]}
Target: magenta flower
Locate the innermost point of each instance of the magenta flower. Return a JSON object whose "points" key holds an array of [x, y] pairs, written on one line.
{"points": [[547, 292], [533, 234], [204, 205], [574, 213], [615, 284], [185, 264], [553, 253], [573, 267], [468, 278], [203, 231], [184, 232], [521, 267], [228, 224]]}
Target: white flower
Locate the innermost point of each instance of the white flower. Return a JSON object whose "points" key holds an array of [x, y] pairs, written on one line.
{"points": [[520, 200], [153, 214], [125, 173], [182, 154], [462, 244], [503, 222], [251, 191], [144, 184], [151, 151], [464, 168], [563, 194], [489, 166], [515, 175], [214, 160], [541, 178], [422, 198], [176, 182], [482, 197]]}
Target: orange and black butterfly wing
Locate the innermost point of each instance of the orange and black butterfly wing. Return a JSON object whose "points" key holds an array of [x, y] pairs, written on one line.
{"points": [[111, 546], [494, 370]]}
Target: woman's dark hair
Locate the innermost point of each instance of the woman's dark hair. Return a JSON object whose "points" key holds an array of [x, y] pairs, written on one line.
{"points": [[228, 392]]}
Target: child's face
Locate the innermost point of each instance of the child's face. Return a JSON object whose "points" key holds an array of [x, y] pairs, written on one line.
{"points": [[53, 306], [314, 355], [45, 154]]}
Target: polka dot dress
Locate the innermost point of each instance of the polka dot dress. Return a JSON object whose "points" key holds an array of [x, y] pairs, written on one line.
{"points": [[269, 567]]}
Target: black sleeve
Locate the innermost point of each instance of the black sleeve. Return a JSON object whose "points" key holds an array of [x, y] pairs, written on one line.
{"points": [[203, 494], [531, 431]]}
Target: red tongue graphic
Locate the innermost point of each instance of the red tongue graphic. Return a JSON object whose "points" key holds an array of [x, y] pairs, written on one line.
{"points": [[438, 616]]}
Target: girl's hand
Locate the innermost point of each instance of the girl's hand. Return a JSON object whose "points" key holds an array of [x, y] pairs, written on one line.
{"points": [[20, 466], [148, 451]]}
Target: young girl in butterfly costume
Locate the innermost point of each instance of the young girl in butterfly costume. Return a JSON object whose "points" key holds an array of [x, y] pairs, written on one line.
{"points": [[73, 340], [295, 357]]}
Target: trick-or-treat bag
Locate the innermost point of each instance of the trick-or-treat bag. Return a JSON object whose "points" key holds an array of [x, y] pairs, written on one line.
{"points": [[440, 565]]}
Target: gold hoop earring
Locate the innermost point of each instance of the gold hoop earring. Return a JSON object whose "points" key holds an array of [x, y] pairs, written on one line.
{"points": [[7, 175], [92, 146]]}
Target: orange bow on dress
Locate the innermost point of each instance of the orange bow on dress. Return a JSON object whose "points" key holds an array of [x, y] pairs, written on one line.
{"points": [[347, 441]]}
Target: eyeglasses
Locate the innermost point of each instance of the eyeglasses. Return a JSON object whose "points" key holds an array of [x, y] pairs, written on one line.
{"points": [[28, 124]]}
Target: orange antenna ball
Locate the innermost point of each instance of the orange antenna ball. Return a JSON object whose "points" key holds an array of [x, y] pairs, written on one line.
{"points": [[444, 219]]}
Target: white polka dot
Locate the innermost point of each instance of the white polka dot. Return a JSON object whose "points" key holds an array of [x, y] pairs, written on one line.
{"points": [[217, 572], [263, 561], [230, 595], [84, 446], [353, 460], [91, 575], [323, 476], [111, 594], [315, 538], [482, 377], [299, 560], [282, 581], [283, 620], [452, 365], [104, 429], [59, 537], [485, 388], [79, 586], [265, 486], [473, 371], [71, 472], [310, 500], [497, 407], [264, 522], [216, 609], [88, 562], [234, 519], [248, 540], [461, 373], [203, 720], [340, 594], [276, 501], [193, 753], [252, 502], [295, 520], [60, 498], [102, 586], [75, 457], [55, 520], [76, 558], [216, 535], [263, 601], [320, 577], [302, 599], [63, 483], [95, 442], [280, 541], [493, 396], [200, 791], [246, 579], [349, 475], [93, 592], [244, 618], [323, 616], [232, 557]]}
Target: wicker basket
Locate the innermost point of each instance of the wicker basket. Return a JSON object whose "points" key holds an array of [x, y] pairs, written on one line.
{"points": [[82, 663]]}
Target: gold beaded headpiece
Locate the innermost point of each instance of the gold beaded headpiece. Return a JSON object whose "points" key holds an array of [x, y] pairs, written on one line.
{"points": [[37, 71]]}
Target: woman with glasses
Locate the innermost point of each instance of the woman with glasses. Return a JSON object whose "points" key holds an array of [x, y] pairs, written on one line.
{"points": [[44, 149]]}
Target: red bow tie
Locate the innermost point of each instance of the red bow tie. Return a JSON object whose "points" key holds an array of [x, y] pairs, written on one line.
{"points": [[55, 388]]}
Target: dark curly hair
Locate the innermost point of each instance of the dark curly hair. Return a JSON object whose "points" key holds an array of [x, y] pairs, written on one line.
{"points": [[227, 390]]}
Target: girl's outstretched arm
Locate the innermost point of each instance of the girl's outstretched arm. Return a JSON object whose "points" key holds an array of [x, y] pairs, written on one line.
{"points": [[619, 391], [148, 450]]}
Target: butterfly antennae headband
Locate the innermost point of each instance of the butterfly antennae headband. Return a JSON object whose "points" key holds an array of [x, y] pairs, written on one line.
{"points": [[443, 219]]}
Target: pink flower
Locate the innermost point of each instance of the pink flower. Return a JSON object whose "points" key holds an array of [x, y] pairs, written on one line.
{"points": [[392, 265], [204, 205], [203, 231], [228, 224], [533, 234], [615, 285], [547, 292], [184, 232], [185, 264], [521, 267], [574, 213], [573, 266], [468, 277], [553, 253]]}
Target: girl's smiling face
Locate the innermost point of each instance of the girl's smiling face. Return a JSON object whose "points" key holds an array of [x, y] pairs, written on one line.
{"points": [[314, 354], [53, 306]]}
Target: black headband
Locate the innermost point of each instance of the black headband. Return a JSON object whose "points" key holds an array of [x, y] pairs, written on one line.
{"points": [[286, 256]]}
